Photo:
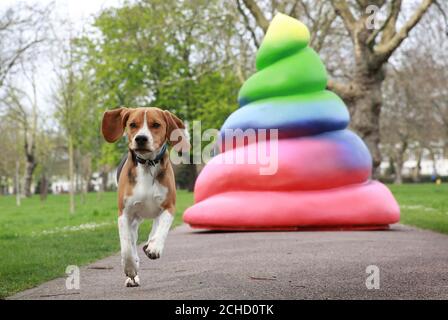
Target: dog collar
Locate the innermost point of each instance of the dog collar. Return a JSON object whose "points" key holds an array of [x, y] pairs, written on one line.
{"points": [[149, 162]]}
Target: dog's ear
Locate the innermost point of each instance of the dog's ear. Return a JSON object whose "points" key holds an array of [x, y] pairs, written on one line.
{"points": [[176, 133], [114, 122]]}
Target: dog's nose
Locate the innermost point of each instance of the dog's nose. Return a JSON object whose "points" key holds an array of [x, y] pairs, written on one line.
{"points": [[141, 139]]}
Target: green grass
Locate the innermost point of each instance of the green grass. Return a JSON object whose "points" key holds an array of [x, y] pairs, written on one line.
{"points": [[35, 245], [423, 205], [38, 240]]}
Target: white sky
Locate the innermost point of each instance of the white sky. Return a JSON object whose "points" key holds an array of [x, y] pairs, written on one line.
{"points": [[78, 13], [77, 10]]}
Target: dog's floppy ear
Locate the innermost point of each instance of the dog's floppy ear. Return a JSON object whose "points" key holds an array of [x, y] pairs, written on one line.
{"points": [[176, 133], [114, 122]]}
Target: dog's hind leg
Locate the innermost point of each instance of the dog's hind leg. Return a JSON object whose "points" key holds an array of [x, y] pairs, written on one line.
{"points": [[128, 230]]}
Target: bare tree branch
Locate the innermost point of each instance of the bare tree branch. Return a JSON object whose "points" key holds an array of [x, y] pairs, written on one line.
{"points": [[346, 91], [384, 50], [342, 9], [389, 30], [318, 41], [257, 13], [444, 15], [247, 24], [389, 23], [293, 8], [4, 71], [22, 27], [440, 111], [306, 10]]}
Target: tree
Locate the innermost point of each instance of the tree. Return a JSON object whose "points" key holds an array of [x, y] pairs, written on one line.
{"points": [[403, 118], [22, 31], [10, 163], [48, 153], [415, 112], [22, 28], [22, 109], [68, 112], [371, 49]]}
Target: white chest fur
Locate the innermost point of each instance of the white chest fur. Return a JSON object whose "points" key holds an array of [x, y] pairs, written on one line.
{"points": [[148, 194]]}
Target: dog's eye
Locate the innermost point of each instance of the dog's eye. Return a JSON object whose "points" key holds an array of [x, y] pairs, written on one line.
{"points": [[155, 125], [133, 125]]}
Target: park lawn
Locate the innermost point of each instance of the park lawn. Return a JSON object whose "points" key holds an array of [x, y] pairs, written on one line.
{"points": [[423, 205], [38, 240]]}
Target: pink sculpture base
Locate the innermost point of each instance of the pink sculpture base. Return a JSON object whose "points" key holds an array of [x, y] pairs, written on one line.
{"points": [[367, 206]]}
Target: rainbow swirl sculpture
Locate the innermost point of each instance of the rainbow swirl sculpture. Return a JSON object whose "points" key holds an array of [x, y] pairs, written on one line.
{"points": [[323, 170]]}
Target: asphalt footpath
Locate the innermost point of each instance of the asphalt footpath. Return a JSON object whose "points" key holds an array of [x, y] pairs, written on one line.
{"points": [[401, 263]]}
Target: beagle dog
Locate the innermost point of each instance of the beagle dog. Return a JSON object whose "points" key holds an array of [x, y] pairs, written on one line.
{"points": [[145, 178]]}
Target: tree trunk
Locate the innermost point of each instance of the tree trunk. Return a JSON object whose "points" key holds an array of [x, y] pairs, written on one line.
{"points": [[192, 174], [434, 162], [86, 164], [30, 164], [30, 144], [4, 185], [100, 186], [365, 109], [398, 169], [71, 173], [43, 187], [83, 192], [17, 184], [391, 169], [399, 160], [417, 169], [29, 170], [77, 171], [104, 180]]}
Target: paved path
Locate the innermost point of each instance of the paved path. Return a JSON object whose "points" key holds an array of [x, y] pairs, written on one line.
{"points": [[277, 265]]}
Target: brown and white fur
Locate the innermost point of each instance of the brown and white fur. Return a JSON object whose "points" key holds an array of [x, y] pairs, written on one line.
{"points": [[144, 191]]}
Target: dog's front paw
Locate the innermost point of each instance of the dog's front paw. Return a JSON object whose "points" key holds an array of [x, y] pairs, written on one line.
{"points": [[132, 282], [153, 249]]}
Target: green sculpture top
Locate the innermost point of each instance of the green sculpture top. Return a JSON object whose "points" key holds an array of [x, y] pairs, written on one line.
{"points": [[286, 65]]}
